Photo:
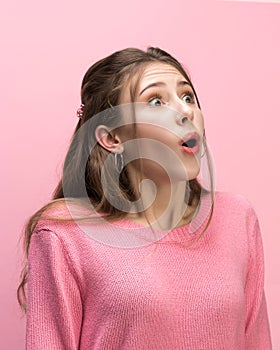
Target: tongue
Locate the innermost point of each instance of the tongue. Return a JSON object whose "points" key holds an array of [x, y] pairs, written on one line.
{"points": [[190, 143]]}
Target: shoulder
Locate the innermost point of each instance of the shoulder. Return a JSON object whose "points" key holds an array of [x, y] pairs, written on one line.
{"points": [[234, 210], [63, 217], [237, 218], [233, 201]]}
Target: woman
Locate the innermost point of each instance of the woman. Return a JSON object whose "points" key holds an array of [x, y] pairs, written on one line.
{"points": [[130, 184]]}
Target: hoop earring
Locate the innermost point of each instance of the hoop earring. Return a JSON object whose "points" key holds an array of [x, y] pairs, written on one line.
{"points": [[118, 161]]}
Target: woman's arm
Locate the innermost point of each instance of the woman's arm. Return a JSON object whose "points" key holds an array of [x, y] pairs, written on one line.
{"points": [[54, 305], [257, 324]]}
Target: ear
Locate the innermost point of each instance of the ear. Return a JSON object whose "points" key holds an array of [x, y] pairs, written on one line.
{"points": [[108, 139]]}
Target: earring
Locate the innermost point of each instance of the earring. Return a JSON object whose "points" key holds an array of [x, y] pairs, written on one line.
{"points": [[118, 161]]}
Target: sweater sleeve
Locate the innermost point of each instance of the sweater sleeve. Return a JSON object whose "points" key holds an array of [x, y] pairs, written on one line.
{"points": [[257, 324], [54, 305]]}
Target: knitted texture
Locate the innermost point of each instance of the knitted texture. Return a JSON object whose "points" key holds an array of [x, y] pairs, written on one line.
{"points": [[87, 295]]}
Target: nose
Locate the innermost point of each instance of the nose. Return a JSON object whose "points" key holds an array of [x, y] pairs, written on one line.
{"points": [[185, 113]]}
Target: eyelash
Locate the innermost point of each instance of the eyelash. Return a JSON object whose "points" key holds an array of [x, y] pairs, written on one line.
{"points": [[157, 96]]}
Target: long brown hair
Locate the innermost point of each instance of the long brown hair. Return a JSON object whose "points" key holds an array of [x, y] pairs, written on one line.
{"points": [[100, 90]]}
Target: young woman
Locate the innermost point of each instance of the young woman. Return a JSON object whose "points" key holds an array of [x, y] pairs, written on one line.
{"points": [[133, 252]]}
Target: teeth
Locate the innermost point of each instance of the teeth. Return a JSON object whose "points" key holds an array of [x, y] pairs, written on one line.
{"points": [[190, 143]]}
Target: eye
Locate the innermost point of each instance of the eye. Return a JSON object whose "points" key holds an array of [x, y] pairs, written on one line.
{"points": [[155, 101], [188, 98]]}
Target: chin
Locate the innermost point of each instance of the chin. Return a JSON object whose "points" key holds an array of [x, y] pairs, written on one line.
{"points": [[192, 173]]}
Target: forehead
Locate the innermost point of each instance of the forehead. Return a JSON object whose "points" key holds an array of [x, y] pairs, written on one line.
{"points": [[159, 71], [152, 73]]}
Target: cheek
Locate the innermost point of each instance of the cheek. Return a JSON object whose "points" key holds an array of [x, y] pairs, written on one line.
{"points": [[152, 144], [159, 134]]}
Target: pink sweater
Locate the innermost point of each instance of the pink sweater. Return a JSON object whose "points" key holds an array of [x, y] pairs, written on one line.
{"points": [[84, 294]]}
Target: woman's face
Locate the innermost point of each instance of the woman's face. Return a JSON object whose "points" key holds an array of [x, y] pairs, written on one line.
{"points": [[166, 115]]}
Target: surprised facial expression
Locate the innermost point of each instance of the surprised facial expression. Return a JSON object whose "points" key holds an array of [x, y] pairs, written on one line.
{"points": [[169, 126]]}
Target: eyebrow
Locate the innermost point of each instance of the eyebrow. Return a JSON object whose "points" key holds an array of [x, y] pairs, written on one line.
{"points": [[180, 83]]}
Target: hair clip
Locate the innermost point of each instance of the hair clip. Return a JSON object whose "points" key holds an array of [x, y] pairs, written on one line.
{"points": [[80, 111]]}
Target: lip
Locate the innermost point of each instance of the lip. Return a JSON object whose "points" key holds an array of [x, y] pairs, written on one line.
{"points": [[195, 149]]}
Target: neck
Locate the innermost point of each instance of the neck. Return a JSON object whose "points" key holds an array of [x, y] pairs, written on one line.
{"points": [[164, 205]]}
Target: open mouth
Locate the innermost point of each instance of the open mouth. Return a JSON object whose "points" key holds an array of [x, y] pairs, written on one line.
{"points": [[190, 143]]}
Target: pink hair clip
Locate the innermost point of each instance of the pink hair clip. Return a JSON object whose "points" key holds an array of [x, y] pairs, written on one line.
{"points": [[80, 111]]}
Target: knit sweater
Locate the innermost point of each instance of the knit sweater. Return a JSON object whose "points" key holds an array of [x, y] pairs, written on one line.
{"points": [[86, 294]]}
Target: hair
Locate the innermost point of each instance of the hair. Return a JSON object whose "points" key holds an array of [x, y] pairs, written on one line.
{"points": [[101, 89]]}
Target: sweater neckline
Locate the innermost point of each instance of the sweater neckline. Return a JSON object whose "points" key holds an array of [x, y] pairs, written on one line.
{"points": [[125, 233], [184, 233], [201, 215]]}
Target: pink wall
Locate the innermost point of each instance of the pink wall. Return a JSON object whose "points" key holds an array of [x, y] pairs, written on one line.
{"points": [[232, 51]]}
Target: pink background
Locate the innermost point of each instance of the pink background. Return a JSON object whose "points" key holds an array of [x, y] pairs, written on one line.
{"points": [[232, 51]]}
